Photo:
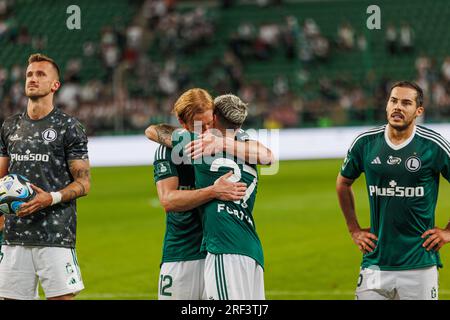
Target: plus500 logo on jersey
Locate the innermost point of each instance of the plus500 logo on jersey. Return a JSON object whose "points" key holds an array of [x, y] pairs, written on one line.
{"points": [[396, 191], [30, 157]]}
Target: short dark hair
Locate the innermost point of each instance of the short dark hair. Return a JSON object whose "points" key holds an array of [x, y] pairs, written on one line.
{"points": [[38, 57], [411, 85]]}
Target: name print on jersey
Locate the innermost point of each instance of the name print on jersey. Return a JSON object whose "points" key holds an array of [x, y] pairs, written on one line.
{"points": [[240, 214]]}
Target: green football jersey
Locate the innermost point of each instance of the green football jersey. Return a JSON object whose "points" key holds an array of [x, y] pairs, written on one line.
{"points": [[184, 231], [402, 184], [228, 227]]}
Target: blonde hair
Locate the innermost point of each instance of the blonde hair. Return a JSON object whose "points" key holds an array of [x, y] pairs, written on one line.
{"points": [[231, 109], [38, 57], [192, 102]]}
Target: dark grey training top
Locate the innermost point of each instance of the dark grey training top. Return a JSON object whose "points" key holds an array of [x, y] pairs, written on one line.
{"points": [[40, 150]]}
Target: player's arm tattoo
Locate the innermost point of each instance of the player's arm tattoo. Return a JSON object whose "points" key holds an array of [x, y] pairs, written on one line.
{"points": [[161, 133], [81, 185]]}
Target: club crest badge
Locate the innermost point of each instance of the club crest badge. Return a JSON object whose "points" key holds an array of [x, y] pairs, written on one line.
{"points": [[413, 164], [49, 135]]}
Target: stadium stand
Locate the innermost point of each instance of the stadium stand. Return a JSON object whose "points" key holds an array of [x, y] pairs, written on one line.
{"points": [[298, 63]]}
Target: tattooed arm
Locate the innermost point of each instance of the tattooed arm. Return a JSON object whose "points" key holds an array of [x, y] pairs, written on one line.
{"points": [[160, 133], [251, 151], [80, 187], [81, 173]]}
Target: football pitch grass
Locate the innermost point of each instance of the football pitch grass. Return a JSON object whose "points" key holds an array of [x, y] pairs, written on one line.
{"points": [[308, 252]]}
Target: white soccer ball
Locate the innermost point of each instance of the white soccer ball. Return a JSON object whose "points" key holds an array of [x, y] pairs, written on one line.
{"points": [[15, 190]]}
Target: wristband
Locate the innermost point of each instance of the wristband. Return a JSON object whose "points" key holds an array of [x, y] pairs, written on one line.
{"points": [[56, 197]]}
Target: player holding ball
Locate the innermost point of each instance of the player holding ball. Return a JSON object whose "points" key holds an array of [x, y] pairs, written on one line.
{"points": [[49, 148]]}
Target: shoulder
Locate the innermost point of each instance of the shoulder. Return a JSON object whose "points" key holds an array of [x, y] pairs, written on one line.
{"points": [[182, 137], [241, 135], [67, 119], [433, 138], [12, 120], [367, 135], [163, 153], [179, 134], [427, 132], [10, 125], [70, 126]]}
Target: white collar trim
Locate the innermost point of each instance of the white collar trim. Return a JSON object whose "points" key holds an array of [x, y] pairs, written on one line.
{"points": [[399, 146]]}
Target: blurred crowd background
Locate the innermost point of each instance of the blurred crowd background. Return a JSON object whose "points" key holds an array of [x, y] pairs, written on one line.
{"points": [[297, 63]]}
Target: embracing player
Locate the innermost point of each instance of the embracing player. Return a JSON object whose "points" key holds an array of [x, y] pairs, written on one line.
{"points": [[402, 163], [235, 261], [228, 263], [48, 147], [182, 268]]}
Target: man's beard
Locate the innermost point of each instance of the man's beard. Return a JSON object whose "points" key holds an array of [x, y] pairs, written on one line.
{"points": [[401, 127], [36, 95]]}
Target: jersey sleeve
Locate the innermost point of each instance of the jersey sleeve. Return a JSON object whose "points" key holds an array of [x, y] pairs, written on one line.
{"points": [[3, 145], [76, 141], [163, 167], [353, 162], [242, 135], [444, 161]]}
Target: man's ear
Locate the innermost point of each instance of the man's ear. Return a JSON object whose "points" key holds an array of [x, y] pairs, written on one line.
{"points": [[215, 120], [420, 111], [56, 85], [183, 124]]}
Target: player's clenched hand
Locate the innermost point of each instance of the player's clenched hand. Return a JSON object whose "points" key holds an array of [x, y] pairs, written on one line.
{"points": [[207, 144], [437, 237], [227, 190], [40, 201], [363, 239]]}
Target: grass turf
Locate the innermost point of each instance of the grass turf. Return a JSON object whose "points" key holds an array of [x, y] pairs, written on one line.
{"points": [[309, 253]]}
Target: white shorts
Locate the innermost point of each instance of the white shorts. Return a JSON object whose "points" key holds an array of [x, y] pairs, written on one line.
{"points": [[182, 280], [22, 267], [416, 284], [233, 277]]}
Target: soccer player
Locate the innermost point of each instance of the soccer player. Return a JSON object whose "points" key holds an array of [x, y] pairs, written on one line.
{"points": [[402, 162], [48, 147], [182, 268], [234, 262]]}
